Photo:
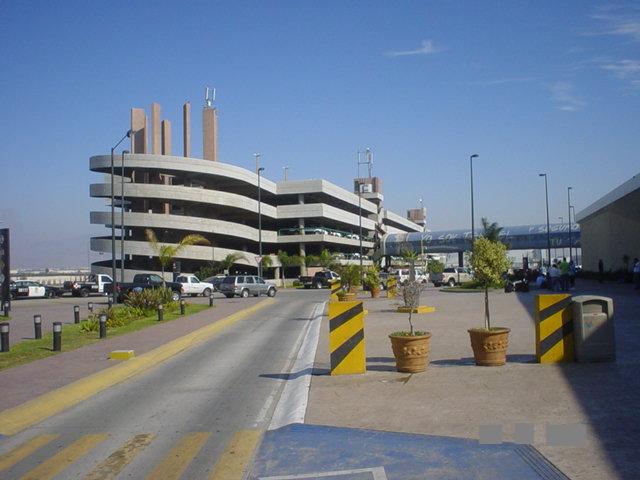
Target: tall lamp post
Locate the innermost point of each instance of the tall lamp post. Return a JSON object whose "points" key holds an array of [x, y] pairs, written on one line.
{"points": [[473, 232], [569, 208], [572, 208], [122, 217], [260, 170], [113, 214], [546, 196], [561, 223], [367, 161]]}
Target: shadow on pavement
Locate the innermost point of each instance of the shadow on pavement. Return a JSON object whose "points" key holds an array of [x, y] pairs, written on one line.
{"points": [[609, 393]]}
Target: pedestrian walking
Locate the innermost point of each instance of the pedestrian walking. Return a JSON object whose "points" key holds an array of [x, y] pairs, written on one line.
{"points": [[564, 274], [636, 273], [554, 278], [600, 271]]}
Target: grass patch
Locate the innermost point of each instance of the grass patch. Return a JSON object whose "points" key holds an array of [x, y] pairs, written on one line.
{"points": [[72, 337]]}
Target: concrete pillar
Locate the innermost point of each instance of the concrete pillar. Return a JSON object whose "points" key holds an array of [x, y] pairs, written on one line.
{"points": [[186, 130], [155, 128], [166, 137], [139, 127], [210, 134]]}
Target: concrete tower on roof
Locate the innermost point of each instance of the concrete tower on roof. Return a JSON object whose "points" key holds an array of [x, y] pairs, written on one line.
{"points": [[186, 130], [210, 127]]}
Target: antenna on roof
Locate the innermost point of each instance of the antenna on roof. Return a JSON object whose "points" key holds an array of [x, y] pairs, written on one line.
{"points": [[209, 96]]}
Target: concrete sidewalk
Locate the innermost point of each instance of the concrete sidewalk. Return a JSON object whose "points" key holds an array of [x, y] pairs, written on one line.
{"points": [[455, 398], [25, 382]]}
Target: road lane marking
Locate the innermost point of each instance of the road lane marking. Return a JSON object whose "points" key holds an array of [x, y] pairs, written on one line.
{"points": [[233, 463], [116, 462], [63, 459], [23, 451], [180, 456], [51, 403]]}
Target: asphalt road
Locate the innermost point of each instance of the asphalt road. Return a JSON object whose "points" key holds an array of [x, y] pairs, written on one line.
{"points": [[189, 409]]}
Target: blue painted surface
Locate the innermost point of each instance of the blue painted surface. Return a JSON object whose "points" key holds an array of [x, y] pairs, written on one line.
{"points": [[300, 449]]}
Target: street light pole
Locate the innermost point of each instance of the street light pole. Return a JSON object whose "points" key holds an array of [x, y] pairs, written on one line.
{"points": [[569, 208], [561, 229], [113, 215], [122, 218], [546, 196], [285, 170], [473, 232], [260, 170]]}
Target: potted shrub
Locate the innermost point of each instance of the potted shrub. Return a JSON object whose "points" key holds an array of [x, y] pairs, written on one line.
{"points": [[351, 278], [411, 347], [372, 281], [489, 261], [342, 296]]}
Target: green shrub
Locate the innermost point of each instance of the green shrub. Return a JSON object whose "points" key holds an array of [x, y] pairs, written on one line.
{"points": [[297, 283], [116, 317], [372, 278], [149, 299]]}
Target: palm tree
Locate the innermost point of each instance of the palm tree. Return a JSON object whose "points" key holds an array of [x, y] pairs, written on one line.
{"points": [[491, 231], [167, 252], [230, 259]]}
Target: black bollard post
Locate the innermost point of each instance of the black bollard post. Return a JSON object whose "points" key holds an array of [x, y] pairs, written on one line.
{"points": [[182, 306], [6, 308], [57, 336], [4, 337], [103, 325], [160, 313], [37, 326], [211, 299], [76, 314], [90, 306], [110, 301]]}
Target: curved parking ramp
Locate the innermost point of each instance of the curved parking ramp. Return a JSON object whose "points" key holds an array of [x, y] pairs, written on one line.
{"points": [[300, 451]]}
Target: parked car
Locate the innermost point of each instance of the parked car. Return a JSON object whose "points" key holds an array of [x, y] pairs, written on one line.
{"points": [[452, 276], [320, 279], [29, 289], [94, 284], [245, 285], [191, 285], [402, 275], [215, 281], [144, 281]]}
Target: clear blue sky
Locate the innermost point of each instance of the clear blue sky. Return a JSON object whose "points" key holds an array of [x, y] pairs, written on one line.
{"points": [[529, 86]]}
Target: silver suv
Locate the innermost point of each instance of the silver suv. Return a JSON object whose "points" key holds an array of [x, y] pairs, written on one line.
{"points": [[245, 285]]}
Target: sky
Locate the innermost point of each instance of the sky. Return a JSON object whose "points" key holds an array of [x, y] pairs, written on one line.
{"points": [[529, 86]]}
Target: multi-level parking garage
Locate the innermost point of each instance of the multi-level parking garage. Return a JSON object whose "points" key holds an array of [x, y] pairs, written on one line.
{"points": [[176, 196]]}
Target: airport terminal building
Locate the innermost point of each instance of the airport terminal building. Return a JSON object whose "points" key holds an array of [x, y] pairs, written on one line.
{"points": [[232, 207]]}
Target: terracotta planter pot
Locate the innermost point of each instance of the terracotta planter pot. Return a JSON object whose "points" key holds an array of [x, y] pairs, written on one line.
{"points": [[353, 289], [375, 292], [412, 353], [489, 346], [348, 297]]}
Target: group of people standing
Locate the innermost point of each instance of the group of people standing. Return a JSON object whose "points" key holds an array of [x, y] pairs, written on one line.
{"points": [[562, 275]]}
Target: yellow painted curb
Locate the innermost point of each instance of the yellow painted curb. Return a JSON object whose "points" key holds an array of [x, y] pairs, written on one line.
{"points": [[420, 309], [121, 354], [34, 411]]}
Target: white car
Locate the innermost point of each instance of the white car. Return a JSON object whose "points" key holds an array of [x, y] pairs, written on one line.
{"points": [[191, 285], [26, 288]]}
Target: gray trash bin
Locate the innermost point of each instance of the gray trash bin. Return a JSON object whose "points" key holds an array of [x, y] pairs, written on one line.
{"points": [[594, 332]]}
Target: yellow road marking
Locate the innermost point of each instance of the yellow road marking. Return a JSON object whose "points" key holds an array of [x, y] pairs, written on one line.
{"points": [[24, 450], [34, 411], [118, 460], [235, 460], [180, 456], [63, 459]]}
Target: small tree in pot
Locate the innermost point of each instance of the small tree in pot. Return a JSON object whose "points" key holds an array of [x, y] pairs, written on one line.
{"points": [[411, 347], [489, 261], [372, 281]]}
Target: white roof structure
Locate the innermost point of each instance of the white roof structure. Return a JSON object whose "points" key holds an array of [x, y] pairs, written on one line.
{"points": [[613, 196]]}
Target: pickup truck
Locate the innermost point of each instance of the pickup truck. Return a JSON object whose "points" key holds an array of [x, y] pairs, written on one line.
{"points": [[320, 279], [144, 281], [451, 276], [191, 285], [95, 283]]}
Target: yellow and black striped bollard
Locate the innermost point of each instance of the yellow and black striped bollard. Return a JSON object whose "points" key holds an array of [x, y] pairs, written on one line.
{"points": [[554, 328], [346, 338], [335, 287], [392, 287]]}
